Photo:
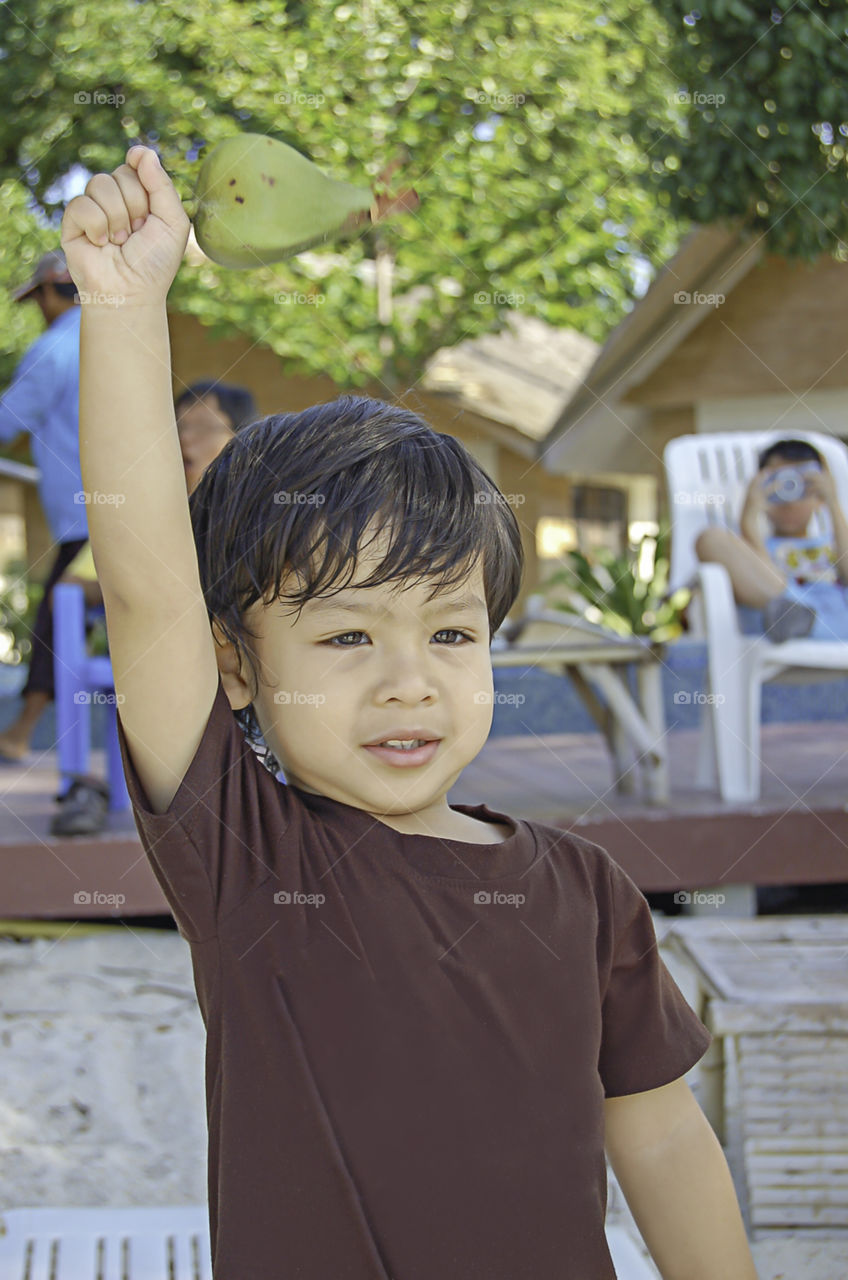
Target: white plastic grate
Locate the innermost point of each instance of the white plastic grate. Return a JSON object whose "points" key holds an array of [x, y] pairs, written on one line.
{"points": [[157, 1244], [105, 1244]]}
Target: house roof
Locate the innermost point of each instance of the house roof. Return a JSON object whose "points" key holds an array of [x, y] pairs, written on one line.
{"points": [[597, 429], [522, 376]]}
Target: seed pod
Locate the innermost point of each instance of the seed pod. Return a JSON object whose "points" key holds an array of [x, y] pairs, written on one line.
{"points": [[260, 201]]}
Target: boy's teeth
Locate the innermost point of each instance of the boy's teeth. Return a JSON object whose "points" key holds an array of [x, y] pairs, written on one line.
{"points": [[407, 744]]}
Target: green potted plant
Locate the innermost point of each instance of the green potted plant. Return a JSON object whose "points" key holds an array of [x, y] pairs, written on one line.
{"points": [[626, 592]]}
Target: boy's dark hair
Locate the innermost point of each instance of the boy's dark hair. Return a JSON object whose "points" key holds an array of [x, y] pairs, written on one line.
{"points": [[236, 402], [791, 451], [294, 492]]}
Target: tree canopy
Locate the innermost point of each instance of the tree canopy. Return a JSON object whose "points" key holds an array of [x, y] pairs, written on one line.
{"points": [[761, 120], [559, 153], [517, 126]]}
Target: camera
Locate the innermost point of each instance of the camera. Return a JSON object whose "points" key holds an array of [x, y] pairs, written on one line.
{"points": [[789, 484]]}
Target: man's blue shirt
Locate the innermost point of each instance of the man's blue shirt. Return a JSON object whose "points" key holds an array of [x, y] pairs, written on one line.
{"points": [[43, 399]]}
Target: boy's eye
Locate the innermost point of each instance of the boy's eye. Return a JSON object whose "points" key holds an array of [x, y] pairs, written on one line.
{"points": [[341, 639], [346, 636], [463, 635]]}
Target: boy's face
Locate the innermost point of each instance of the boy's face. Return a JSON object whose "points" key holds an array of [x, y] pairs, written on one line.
{"points": [[204, 429], [789, 519], [395, 666]]}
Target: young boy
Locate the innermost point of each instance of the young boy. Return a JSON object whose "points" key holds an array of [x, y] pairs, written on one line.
{"points": [[423, 1020], [798, 580]]}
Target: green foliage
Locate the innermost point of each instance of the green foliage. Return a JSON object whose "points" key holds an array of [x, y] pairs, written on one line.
{"points": [[19, 601], [548, 214], [96, 636], [613, 591], [757, 128], [22, 242]]}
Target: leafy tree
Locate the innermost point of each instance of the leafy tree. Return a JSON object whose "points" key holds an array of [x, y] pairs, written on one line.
{"points": [[760, 130], [516, 124], [22, 240], [19, 601]]}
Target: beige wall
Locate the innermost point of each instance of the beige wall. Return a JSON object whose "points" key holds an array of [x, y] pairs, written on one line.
{"points": [[21, 506], [195, 354], [40, 548], [782, 328], [665, 425]]}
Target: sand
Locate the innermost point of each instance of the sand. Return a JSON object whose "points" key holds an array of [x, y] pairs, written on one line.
{"points": [[101, 1071]]}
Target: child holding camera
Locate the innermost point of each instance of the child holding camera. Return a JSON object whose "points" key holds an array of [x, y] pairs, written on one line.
{"points": [[798, 580]]}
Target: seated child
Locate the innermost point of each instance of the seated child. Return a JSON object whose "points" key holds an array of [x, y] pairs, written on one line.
{"points": [[799, 581], [425, 1022]]}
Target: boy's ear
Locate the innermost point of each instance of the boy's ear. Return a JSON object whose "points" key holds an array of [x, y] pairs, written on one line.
{"points": [[236, 688]]}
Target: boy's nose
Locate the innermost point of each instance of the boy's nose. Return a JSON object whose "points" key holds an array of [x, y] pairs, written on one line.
{"points": [[404, 675]]}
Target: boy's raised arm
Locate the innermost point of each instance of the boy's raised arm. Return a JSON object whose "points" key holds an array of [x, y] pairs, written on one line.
{"points": [[124, 240]]}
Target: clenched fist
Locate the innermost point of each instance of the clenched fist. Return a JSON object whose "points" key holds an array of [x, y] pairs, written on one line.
{"points": [[125, 237]]}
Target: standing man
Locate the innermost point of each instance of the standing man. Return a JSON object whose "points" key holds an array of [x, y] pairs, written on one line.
{"points": [[43, 400]]}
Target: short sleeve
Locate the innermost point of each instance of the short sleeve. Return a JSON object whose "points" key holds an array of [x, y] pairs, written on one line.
{"points": [[650, 1035], [210, 850]]}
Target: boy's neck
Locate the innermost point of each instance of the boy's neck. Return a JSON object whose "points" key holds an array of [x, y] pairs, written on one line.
{"points": [[462, 826], [791, 533]]}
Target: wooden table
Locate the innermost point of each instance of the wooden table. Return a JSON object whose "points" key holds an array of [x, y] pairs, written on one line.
{"points": [[597, 661], [774, 992]]}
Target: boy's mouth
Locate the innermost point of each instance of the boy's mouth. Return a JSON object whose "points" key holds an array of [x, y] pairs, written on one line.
{"points": [[404, 749]]}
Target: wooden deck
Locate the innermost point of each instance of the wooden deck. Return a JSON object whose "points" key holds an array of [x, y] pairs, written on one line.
{"points": [[796, 834]]}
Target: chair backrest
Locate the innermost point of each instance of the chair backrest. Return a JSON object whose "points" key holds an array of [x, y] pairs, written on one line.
{"points": [[707, 477]]}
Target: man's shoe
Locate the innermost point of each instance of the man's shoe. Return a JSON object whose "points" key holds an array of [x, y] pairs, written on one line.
{"points": [[83, 808], [786, 619]]}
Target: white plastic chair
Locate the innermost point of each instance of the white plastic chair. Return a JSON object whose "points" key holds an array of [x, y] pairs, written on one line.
{"points": [[707, 477], [157, 1244]]}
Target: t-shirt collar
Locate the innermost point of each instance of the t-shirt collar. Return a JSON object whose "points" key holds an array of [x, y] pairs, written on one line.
{"points": [[435, 855]]}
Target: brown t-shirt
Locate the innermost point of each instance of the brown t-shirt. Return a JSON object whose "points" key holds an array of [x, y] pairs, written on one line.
{"points": [[409, 1039]]}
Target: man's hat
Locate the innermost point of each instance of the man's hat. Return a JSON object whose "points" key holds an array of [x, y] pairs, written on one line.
{"points": [[52, 269]]}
